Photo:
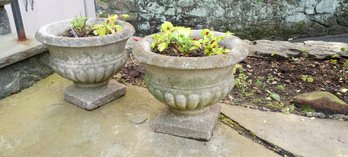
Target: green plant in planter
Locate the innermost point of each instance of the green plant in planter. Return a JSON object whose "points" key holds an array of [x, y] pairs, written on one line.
{"points": [[78, 25], [211, 43], [80, 29], [178, 36], [88, 61], [188, 86], [182, 42], [162, 40], [109, 26]]}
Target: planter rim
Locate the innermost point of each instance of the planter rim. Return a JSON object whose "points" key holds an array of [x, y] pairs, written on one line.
{"points": [[239, 50], [50, 34]]}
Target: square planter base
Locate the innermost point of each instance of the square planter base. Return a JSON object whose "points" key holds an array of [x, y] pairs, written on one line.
{"points": [[92, 98], [199, 127]]}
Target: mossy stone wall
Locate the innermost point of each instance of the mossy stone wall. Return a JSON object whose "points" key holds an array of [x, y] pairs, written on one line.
{"points": [[253, 19]]}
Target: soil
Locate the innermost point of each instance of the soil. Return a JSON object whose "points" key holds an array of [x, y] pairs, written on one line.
{"points": [[172, 50], [69, 33], [287, 78], [131, 73], [260, 76]]}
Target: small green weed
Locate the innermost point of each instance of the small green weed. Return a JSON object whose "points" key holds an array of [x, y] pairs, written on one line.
{"points": [[280, 87], [333, 61], [345, 65], [275, 106], [260, 84], [288, 109], [307, 78], [307, 108], [275, 96], [241, 81], [271, 79]]}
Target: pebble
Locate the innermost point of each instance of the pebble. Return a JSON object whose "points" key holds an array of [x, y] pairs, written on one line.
{"points": [[315, 114], [340, 117], [139, 118], [344, 90], [264, 109], [322, 115], [274, 82]]}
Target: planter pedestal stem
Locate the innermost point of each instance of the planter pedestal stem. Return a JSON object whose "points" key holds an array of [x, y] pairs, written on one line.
{"points": [[90, 98], [197, 126]]}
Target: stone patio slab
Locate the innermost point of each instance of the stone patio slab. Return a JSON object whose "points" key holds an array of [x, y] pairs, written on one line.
{"points": [[302, 136], [92, 98], [37, 122], [200, 126]]}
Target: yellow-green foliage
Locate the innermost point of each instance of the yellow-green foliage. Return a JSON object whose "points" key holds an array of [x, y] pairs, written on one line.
{"points": [[109, 26], [211, 43], [182, 39], [307, 78], [79, 26], [178, 35]]}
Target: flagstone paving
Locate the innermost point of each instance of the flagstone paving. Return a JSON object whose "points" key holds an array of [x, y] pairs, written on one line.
{"points": [[37, 122], [302, 136]]}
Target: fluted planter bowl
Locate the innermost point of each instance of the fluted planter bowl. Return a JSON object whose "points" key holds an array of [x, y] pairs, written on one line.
{"points": [[87, 61], [188, 85]]}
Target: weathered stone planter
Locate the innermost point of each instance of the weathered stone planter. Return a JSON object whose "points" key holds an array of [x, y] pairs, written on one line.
{"points": [[189, 86], [89, 62]]}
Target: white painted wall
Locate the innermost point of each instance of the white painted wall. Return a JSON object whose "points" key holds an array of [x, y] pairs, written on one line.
{"points": [[47, 11]]}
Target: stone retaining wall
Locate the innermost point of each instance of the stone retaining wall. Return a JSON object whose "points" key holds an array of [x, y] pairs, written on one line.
{"points": [[4, 21], [253, 19], [23, 74]]}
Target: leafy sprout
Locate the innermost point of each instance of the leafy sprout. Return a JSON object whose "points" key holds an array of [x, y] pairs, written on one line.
{"points": [[109, 26], [78, 25]]}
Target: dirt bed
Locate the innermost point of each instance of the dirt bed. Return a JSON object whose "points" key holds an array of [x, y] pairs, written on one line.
{"points": [[261, 78]]}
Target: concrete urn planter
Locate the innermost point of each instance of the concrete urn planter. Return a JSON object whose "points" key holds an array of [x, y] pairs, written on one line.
{"points": [[87, 61], [190, 86]]}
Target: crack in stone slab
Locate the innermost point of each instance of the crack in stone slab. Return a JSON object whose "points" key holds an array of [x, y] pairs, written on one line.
{"points": [[250, 135]]}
